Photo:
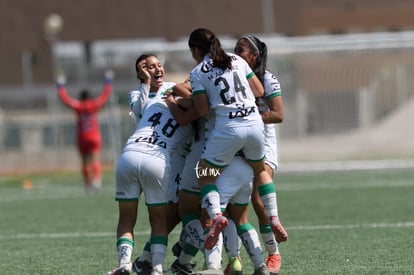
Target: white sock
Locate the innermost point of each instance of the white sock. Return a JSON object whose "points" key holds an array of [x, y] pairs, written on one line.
{"points": [[195, 232], [158, 252], [211, 200], [231, 240], [213, 256], [124, 247], [269, 239], [251, 242], [269, 202]]}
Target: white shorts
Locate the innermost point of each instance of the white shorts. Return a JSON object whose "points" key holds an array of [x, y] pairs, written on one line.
{"points": [[176, 169], [224, 142], [189, 180], [235, 183], [138, 172]]}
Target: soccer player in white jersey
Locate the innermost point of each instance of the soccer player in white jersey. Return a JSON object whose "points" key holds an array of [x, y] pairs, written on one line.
{"points": [[151, 75], [254, 51], [224, 83], [150, 72], [144, 166], [235, 184]]}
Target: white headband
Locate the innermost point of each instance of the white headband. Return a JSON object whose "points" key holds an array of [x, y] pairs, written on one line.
{"points": [[248, 38]]}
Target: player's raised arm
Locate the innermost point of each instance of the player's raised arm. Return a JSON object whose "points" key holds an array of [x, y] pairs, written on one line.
{"points": [[107, 89], [63, 94]]}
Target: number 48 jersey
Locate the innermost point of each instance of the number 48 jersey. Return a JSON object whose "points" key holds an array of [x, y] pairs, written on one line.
{"points": [[228, 91], [158, 132]]}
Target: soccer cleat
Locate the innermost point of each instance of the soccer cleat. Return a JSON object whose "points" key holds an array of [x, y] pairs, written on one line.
{"points": [[182, 269], [273, 263], [89, 190], [96, 185], [234, 267], [262, 270], [277, 228], [219, 223], [124, 269], [142, 267]]}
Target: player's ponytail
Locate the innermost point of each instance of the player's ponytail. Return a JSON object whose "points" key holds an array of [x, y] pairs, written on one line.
{"points": [[208, 43]]}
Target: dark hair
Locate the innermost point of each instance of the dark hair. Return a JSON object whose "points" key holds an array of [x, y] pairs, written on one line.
{"points": [[139, 59], [256, 45], [84, 95], [208, 43]]}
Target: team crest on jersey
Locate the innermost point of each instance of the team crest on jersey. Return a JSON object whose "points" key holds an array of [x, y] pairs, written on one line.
{"points": [[207, 67]]}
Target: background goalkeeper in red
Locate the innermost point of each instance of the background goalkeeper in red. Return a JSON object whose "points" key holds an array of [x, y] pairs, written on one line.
{"points": [[89, 139]]}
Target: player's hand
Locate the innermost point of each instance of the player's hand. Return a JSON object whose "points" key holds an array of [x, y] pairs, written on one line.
{"points": [[109, 75], [169, 99], [60, 79], [168, 92], [142, 72]]}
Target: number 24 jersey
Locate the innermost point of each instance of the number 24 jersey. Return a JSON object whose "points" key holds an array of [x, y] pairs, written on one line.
{"points": [[228, 91]]}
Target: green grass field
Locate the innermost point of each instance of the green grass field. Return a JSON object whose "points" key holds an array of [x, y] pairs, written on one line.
{"points": [[359, 222]]}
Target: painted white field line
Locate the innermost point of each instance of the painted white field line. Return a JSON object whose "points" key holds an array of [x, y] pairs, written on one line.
{"points": [[37, 197], [65, 235], [176, 232], [331, 186], [351, 226]]}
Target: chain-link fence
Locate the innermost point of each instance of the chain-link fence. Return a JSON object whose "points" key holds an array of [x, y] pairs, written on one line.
{"points": [[331, 85]]}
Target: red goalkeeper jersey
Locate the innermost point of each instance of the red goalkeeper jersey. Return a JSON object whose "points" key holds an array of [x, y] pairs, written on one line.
{"points": [[88, 130]]}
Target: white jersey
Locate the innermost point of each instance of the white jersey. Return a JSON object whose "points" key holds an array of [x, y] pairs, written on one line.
{"points": [[145, 163], [271, 89], [139, 96], [158, 132], [229, 93], [137, 100]]}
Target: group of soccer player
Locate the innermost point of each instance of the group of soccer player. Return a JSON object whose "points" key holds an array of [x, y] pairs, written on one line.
{"points": [[201, 151]]}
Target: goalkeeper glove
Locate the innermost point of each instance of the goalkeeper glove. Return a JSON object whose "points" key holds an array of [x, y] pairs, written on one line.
{"points": [[109, 75], [60, 80]]}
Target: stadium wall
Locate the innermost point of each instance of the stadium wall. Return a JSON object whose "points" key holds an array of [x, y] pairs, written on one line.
{"points": [[25, 49]]}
